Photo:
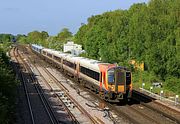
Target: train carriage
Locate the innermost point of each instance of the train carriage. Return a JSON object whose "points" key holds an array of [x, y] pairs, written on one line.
{"points": [[89, 71], [69, 64], [58, 58], [113, 82], [37, 48]]}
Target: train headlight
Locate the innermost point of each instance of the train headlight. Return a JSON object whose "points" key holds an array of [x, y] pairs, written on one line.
{"points": [[109, 88]]}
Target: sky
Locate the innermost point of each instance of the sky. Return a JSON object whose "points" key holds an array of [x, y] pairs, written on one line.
{"points": [[24, 16]]}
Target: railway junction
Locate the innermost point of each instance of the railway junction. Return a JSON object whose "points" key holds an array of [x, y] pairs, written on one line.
{"points": [[47, 95]]}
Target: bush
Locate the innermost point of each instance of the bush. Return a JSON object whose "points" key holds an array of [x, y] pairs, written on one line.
{"points": [[8, 86], [173, 84]]}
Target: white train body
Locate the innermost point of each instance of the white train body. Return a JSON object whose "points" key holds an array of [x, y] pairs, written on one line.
{"points": [[94, 73]]}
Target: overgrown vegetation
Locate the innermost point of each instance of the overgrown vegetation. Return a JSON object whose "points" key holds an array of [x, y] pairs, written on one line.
{"points": [[8, 82]]}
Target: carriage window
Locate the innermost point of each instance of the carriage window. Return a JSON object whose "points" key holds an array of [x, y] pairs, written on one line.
{"points": [[57, 58], [44, 52], [70, 64], [50, 55], [90, 73]]}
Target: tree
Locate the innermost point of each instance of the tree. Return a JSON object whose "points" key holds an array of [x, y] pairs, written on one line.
{"points": [[146, 32], [37, 37], [21, 39], [64, 35]]}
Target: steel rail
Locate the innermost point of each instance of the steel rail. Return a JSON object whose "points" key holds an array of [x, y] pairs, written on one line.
{"points": [[66, 108], [69, 112], [40, 93], [66, 90], [73, 100], [154, 109], [92, 119], [144, 115], [25, 87], [158, 111]]}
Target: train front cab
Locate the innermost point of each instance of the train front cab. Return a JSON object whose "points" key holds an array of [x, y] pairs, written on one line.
{"points": [[119, 83]]}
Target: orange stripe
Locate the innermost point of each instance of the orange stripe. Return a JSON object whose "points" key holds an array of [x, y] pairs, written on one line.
{"points": [[105, 81], [100, 86]]}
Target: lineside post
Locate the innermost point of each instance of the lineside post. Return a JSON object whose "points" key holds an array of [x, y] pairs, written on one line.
{"points": [[176, 99]]}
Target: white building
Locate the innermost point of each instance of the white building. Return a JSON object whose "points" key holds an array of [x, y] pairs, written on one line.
{"points": [[75, 49]]}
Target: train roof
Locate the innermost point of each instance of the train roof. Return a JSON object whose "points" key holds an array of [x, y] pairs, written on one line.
{"points": [[59, 53], [48, 50], [85, 62], [90, 63], [37, 46]]}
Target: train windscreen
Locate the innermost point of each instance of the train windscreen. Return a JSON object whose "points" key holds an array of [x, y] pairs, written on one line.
{"points": [[120, 75], [111, 76]]}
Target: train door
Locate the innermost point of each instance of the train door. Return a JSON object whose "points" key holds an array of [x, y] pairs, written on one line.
{"points": [[77, 69], [62, 63], [101, 80]]}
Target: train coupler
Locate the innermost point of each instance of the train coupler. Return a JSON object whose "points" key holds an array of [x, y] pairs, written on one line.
{"points": [[120, 96]]}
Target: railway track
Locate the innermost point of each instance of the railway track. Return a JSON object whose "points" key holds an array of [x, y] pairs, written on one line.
{"points": [[35, 89], [137, 113], [24, 84], [65, 91], [70, 97], [55, 93], [164, 110], [140, 113]]}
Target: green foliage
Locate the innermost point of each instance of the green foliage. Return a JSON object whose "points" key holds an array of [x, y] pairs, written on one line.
{"points": [[6, 41], [43, 38], [62, 37], [4, 38], [172, 83], [146, 32], [22, 39], [79, 36], [37, 37], [8, 86]]}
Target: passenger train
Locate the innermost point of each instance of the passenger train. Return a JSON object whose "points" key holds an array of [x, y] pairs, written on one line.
{"points": [[112, 82]]}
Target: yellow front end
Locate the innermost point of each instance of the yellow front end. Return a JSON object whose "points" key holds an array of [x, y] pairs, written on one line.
{"points": [[121, 88]]}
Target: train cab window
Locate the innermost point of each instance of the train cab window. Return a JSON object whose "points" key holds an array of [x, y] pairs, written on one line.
{"points": [[111, 76], [121, 77]]}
